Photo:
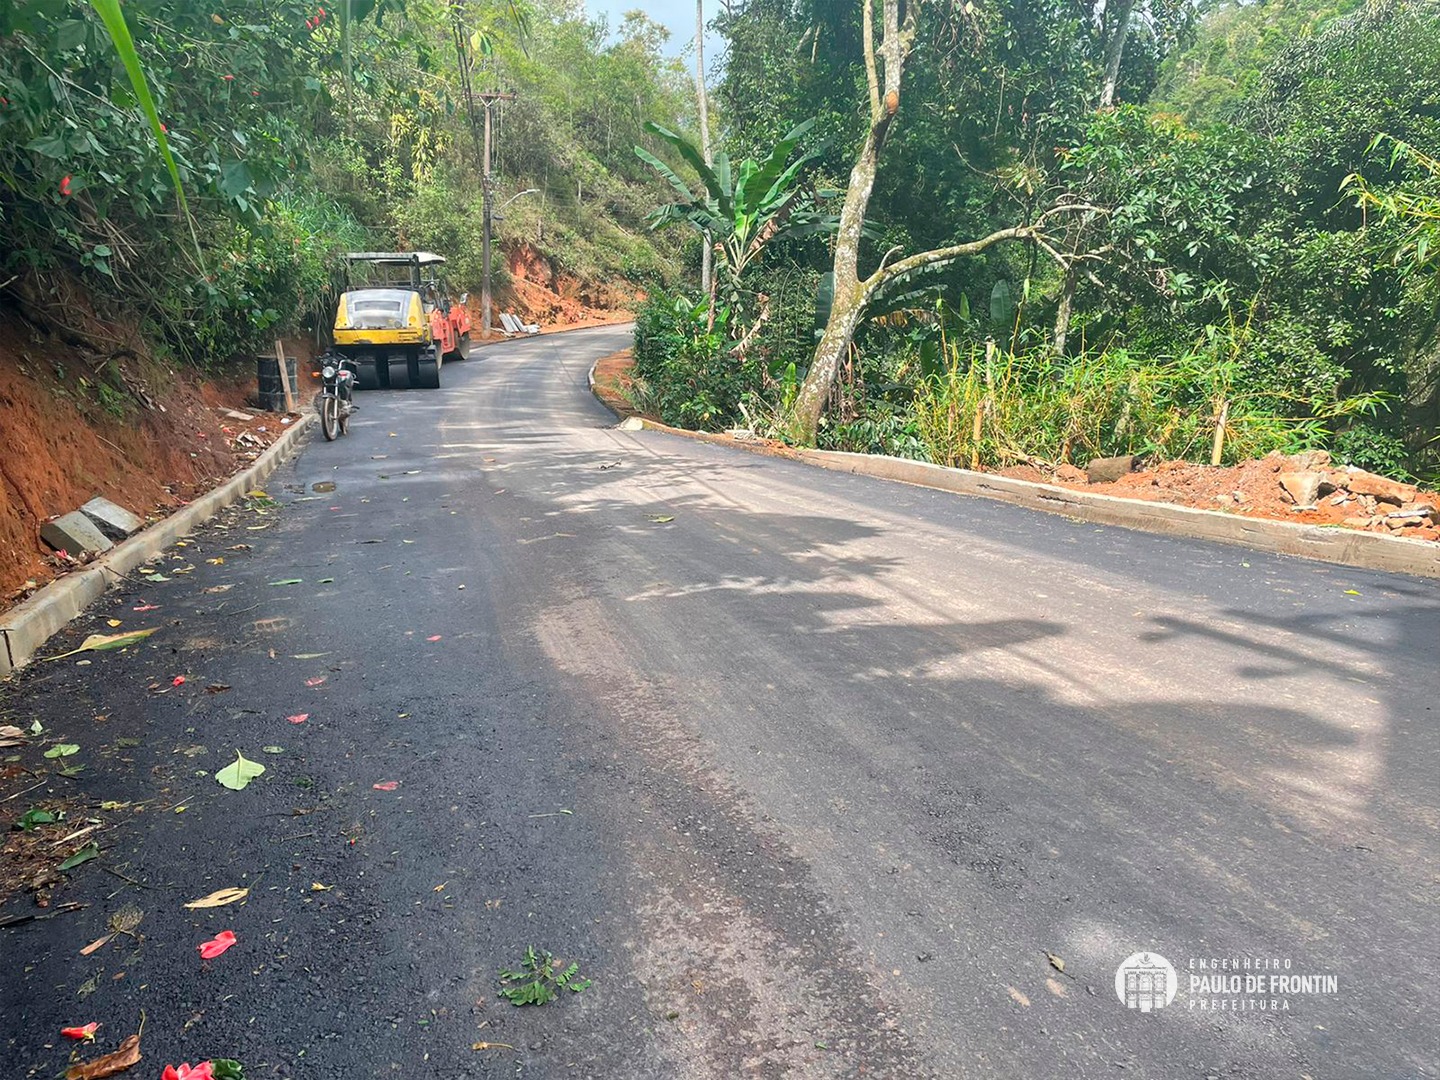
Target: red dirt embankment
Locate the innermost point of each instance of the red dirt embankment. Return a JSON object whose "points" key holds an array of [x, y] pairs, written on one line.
{"points": [[74, 426], [555, 300]]}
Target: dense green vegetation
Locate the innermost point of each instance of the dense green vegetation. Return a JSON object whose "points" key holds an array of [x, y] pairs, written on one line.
{"points": [[296, 135], [1251, 261]]}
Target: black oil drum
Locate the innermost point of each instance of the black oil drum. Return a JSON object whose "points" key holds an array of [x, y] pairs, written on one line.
{"points": [[272, 393]]}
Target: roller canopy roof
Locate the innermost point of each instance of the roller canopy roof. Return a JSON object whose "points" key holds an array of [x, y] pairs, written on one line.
{"points": [[423, 258]]}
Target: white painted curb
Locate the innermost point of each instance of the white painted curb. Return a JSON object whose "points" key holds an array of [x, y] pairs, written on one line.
{"points": [[27, 626]]}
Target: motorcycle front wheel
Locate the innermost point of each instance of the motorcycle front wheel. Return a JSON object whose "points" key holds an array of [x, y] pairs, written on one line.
{"points": [[330, 417]]}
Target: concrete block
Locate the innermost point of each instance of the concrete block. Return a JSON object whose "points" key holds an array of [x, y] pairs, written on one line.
{"points": [[114, 521], [74, 533]]}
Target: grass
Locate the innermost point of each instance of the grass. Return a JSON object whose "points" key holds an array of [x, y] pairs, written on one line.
{"points": [[1001, 408]]}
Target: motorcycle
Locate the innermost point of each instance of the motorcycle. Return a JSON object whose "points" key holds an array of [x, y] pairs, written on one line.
{"points": [[335, 401]]}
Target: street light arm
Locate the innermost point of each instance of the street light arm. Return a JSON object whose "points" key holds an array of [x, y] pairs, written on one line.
{"points": [[507, 202]]}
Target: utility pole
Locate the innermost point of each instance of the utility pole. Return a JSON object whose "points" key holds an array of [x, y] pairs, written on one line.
{"points": [[489, 99], [707, 254]]}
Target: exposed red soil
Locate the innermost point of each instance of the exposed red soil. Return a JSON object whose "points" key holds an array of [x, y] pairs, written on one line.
{"points": [[539, 293], [612, 380], [1250, 489], [164, 440]]}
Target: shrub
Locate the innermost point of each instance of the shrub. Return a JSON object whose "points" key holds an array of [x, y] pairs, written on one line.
{"points": [[687, 366], [1367, 446]]}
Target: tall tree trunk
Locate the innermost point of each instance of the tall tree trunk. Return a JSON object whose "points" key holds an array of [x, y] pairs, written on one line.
{"points": [[1119, 30], [707, 256], [1063, 310], [850, 296], [852, 292]]}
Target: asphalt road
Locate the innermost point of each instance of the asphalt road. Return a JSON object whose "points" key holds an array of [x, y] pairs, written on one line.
{"points": [[812, 774]]}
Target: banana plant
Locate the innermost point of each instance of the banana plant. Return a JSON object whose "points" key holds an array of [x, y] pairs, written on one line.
{"points": [[740, 208]]}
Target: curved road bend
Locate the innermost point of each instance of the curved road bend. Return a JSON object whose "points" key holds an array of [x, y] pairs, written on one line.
{"points": [[812, 773]]}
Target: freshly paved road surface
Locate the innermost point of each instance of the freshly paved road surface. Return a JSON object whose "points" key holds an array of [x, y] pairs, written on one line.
{"points": [[810, 772]]}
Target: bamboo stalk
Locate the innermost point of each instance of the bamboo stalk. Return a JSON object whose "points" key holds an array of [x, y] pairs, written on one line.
{"points": [[1219, 444]]}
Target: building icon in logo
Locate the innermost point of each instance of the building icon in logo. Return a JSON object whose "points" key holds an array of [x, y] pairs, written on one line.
{"points": [[1146, 981]]}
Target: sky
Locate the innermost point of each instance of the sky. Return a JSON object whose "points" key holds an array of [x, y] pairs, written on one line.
{"points": [[677, 15]]}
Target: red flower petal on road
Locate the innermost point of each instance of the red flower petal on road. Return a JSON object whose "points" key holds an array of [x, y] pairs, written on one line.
{"points": [[434, 637], [179, 680], [87, 1032], [146, 607], [386, 785], [298, 718], [186, 1072], [209, 950], [316, 681]]}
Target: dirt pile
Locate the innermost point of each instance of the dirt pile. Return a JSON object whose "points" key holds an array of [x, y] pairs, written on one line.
{"points": [[131, 429], [1306, 488]]}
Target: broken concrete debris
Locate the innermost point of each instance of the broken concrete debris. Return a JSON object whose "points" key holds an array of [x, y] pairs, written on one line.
{"points": [[91, 529], [114, 521], [75, 534]]}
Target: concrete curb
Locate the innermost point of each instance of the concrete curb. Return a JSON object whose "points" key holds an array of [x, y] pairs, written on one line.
{"points": [[1345, 547], [27, 626]]}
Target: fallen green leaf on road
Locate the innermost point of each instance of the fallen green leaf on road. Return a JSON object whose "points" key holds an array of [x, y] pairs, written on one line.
{"points": [[662, 519], [219, 898], [288, 581], [84, 855], [102, 642], [64, 749], [537, 982], [33, 817], [239, 772]]}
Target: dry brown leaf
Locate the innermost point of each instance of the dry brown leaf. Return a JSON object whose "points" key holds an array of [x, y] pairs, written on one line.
{"points": [[219, 898], [491, 1046], [110, 1064], [127, 920], [98, 943], [1058, 963], [10, 735]]}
